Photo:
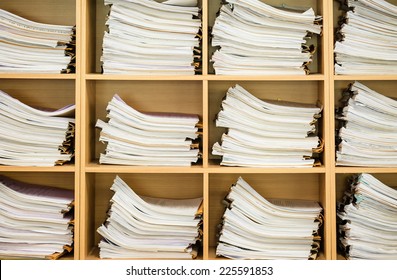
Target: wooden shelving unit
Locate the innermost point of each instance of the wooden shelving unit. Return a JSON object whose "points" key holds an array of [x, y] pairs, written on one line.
{"points": [[200, 94]]}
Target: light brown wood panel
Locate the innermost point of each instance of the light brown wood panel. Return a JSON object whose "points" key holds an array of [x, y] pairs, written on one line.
{"points": [[63, 180], [43, 11], [51, 94], [98, 194], [309, 92], [290, 186]]}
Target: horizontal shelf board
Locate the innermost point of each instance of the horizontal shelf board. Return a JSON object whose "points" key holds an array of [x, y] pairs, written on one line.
{"points": [[64, 168], [109, 77], [313, 77], [38, 76], [214, 167], [102, 168], [365, 169], [365, 77]]}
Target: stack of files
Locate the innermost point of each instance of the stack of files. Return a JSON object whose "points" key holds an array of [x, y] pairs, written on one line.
{"points": [[31, 47], [255, 38], [267, 133], [33, 137], [148, 37], [368, 134], [147, 227], [257, 228], [368, 220], [35, 221], [158, 139], [367, 39]]}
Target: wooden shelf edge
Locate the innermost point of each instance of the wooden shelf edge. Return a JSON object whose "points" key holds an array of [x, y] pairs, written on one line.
{"points": [[38, 76], [365, 77], [313, 77], [341, 170], [65, 168], [99, 168], [102, 77]]}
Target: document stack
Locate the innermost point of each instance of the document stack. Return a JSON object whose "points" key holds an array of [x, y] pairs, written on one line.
{"points": [[148, 37], [367, 38], [32, 47], [257, 228], [368, 220], [136, 138], [267, 133], [33, 137], [147, 227], [255, 38], [36, 221], [368, 133]]}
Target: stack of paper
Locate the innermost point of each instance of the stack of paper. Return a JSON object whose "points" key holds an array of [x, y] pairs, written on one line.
{"points": [[32, 137], [136, 138], [32, 47], [367, 39], [368, 220], [259, 39], [35, 221], [266, 133], [368, 136], [147, 37], [256, 228], [145, 227]]}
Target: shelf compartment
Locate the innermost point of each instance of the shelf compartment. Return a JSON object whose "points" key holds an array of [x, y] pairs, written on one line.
{"points": [[63, 180], [94, 19], [97, 193], [319, 7], [287, 186], [145, 96], [309, 92]]}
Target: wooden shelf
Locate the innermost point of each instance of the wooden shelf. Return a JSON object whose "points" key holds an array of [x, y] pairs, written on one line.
{"points": [[199, 94]]}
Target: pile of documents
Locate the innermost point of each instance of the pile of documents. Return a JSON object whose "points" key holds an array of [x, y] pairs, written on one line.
{"points": [[267, 133], [258, 39], [32, 47], [33, 137], [368, 133], [368, 220], [367, 38], [256, 228], [147, 37], [146, 227], [36, 221], [137, 138]]}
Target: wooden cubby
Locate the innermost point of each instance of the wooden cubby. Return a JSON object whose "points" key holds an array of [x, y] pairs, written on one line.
{"points": [[200, 94]]}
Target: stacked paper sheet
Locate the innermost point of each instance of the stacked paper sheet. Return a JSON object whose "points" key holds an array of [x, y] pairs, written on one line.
{"points": [[266, 133], [136, 138], [259, 39], [35, 221], [257, 228], [367, 39], [146, 37], [368, 220], [32, 47], [32, 137], [368, 136], [145, 227]]}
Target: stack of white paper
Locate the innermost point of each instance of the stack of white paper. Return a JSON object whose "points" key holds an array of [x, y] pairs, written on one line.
{"points": [[367, 39], [368, 220], [35, 221], [259, 39], [136, 138], [145, 227], [32, 137], [256, 228], [266, 133], [147, 37], [369, 134], [32, 47]]}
